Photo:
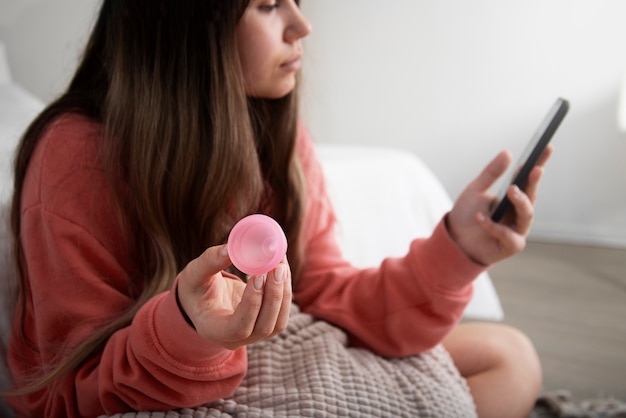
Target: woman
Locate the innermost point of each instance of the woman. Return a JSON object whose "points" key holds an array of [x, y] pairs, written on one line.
{"points": [[181, 119]]}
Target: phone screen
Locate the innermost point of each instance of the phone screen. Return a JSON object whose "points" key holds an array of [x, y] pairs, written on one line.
{"points": [[531, 154]]}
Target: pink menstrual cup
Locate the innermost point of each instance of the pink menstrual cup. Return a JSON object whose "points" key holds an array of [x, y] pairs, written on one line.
{"points": [[256, 244]]}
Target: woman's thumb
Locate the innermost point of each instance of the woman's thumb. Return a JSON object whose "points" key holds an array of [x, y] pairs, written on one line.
{"points": [[212, 261]]}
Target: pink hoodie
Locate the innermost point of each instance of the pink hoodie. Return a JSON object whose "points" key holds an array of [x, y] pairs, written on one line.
{"points": [[77, 268]]}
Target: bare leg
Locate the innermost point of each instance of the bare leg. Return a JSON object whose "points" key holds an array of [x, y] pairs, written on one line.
{"points": [[500, 365]]}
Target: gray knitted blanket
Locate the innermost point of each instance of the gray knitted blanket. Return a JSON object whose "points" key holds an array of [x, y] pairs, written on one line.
{"points": [[309, 371]]}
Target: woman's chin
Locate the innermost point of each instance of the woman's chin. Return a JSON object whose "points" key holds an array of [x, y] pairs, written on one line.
{"points": [[277, 91]]}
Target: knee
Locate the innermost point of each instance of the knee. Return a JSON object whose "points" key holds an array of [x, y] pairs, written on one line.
{"points": [[484, 347], [512, 349], [501, 366]]}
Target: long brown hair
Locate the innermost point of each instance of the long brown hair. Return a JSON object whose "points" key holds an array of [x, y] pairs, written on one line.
{"points": [[185, 151]]}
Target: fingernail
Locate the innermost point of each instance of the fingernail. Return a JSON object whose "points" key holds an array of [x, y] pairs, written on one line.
{"points": [[481, 217], [224, 250], [279, 273], [259, 282]]}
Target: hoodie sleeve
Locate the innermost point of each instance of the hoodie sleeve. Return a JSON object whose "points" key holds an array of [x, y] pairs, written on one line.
{"points": [[404, 306]]}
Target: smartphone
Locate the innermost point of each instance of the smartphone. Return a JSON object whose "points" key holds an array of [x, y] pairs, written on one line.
{"points": [[531, 154]]}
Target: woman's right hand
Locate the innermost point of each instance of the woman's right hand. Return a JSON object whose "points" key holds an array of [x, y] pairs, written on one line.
{"points": [[229, 312]]}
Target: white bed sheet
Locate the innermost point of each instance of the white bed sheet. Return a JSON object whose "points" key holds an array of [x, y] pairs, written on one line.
{"points": [[384, 198]]}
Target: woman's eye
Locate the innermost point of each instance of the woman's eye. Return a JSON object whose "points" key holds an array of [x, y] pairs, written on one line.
{"points": [[268, 7]]}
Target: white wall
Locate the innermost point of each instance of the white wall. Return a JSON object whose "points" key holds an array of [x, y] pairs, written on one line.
{"points": [[456, 81], [43, 39], [453, 81]]}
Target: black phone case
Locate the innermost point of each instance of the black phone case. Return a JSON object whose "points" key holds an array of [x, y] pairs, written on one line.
{"points": [[543, 138]]}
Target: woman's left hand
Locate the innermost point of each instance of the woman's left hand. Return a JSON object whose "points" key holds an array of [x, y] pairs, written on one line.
{"points": [[469, 222]]}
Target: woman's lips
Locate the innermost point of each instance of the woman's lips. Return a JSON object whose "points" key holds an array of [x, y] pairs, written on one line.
{"points": [[294, 64]]}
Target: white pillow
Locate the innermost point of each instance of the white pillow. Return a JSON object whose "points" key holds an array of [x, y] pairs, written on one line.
{"points": [[384, 198], [17, 109]]}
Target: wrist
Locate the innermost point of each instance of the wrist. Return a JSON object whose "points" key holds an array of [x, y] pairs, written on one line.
{"points": [[182, 310], [457, 240]]}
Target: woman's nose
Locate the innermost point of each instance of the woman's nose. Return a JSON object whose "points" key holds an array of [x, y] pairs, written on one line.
{"points": [[299, 27]]}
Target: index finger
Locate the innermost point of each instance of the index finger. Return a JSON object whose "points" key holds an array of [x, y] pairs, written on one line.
{"points": [[545, 156], [492, 172]]}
